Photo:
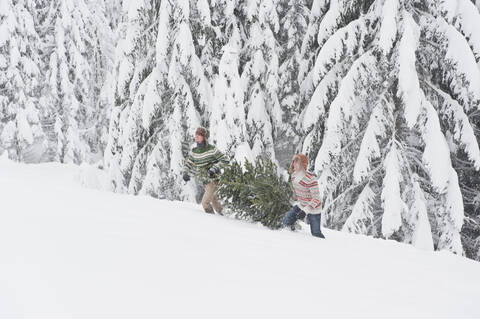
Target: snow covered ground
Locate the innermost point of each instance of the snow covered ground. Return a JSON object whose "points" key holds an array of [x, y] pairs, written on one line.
{"points": [[67, 251]]}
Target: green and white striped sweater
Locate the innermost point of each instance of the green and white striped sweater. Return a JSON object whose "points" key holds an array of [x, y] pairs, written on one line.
{"points": [[202, 158]]}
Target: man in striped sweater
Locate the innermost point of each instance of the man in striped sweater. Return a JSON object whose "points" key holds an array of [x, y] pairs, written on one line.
{"points": [[205, 162], [305, 188]]}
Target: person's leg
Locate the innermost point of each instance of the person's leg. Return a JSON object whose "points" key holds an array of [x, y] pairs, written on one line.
{"points": [[315, 225], [207, 198], [290, 217], [215, 202], [300, 214]]}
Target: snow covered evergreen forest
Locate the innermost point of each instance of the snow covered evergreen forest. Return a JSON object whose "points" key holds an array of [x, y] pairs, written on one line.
{"points": [[382, 95]]}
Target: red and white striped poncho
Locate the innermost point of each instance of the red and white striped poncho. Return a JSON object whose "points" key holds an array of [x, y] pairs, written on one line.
{"points": [[305, 186]]}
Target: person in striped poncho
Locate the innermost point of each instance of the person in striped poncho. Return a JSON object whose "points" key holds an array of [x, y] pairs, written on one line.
{"points": [[205, 162], [305, 188]]}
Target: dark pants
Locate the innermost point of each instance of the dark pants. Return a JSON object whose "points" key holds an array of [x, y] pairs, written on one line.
{"points": [[296, 213], [291, 217], [315, 223]]}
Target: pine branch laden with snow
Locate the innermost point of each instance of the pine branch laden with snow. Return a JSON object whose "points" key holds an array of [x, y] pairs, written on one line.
{"points": [[459, 70], [408, 84], [162, 95], [321, 85], [125, 127], [333, 62], [205, 42], [419, 81], [309, 43], [20, 80], [339, 14], [388, 29], [393, 204], [260, 77], [370, 148], [444, 179], [293, 17], [459, 125], [76, 51], [418, 218], [228, 119], [361, 218], [346, 108], [463, 15], [346, 42]]}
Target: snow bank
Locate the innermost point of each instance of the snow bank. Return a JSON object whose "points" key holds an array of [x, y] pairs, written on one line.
{"points": [[72, 252]]}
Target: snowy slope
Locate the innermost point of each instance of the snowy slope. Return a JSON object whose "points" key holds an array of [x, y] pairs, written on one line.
{"points": [[67, 251]]}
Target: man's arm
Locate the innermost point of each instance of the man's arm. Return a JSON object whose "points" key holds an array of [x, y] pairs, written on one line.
{"points": [[220, 161], [190, 167]]}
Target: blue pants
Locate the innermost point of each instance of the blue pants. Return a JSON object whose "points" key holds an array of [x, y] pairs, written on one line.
{"points": [[296, 213], [291, 217], [315, 225]]}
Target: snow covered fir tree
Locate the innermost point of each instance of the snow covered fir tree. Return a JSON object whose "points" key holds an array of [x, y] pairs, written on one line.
{"points": [[20, 80], [54, 60], [395, 95], [382, 95]]}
